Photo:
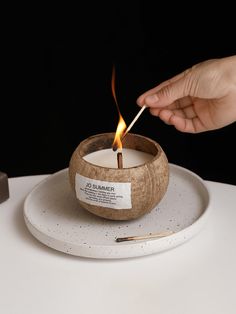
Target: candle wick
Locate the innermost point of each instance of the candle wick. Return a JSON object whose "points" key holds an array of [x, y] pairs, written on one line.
{"points": [[120, 160]]}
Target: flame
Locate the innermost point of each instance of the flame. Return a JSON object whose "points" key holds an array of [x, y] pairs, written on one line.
{"points": [[121, 127], [117, 143]]}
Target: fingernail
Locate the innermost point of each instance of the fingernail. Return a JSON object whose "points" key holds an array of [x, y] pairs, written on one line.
{"points": [[139, 101], [151, 99]]}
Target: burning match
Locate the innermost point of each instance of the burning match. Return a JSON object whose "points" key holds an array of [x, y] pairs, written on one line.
{"points": [[130, 126], [134, 120]]}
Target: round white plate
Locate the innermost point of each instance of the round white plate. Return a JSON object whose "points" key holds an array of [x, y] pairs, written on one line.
{"points": [[53, 216]]}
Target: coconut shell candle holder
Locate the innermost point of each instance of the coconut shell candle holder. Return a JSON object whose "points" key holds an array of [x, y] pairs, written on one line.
{"points": [[119, 194]]}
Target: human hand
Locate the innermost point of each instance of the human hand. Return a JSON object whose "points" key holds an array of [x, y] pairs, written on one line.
{"points": [[199, 99]]}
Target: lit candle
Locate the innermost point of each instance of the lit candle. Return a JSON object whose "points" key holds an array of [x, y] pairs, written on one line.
{"points": [[119, 193], [107, 158]]}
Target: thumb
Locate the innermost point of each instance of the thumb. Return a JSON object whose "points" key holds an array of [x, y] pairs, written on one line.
{"points": [[169, 93]]}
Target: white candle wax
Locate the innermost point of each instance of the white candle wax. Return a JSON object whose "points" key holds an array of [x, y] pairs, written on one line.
{"points": [[108, 158]]}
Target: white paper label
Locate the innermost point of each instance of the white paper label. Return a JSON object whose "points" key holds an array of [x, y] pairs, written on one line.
{"points": [[115, 195]]}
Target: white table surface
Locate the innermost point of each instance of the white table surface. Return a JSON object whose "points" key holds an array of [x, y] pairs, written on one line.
{"points": [[198, 277]]}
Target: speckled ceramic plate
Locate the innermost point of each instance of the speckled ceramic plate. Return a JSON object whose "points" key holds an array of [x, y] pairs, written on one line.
{"points": [[53, 216]]}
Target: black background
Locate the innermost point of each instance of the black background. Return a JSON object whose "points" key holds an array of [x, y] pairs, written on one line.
{"points": [[59, 83]]}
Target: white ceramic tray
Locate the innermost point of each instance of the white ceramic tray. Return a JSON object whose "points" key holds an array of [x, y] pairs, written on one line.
{"points": [[53, 216]]}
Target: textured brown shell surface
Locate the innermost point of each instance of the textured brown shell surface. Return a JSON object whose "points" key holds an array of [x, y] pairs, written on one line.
{"points": [[149, 183], [148, 186]]}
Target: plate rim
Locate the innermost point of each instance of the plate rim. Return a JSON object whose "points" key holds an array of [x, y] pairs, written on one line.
{"points": [[200, 221]]}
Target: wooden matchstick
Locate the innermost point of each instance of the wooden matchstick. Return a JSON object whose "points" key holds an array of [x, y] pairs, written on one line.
{"points": [[134, 120], [120, 160], [130, 126], [148, 236]]}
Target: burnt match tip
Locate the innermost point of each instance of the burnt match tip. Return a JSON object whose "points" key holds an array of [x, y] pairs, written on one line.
{"points": [[114, 148], [123, 239]]}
